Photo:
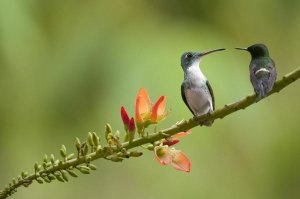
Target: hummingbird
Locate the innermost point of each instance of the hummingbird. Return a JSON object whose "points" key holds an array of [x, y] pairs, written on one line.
{"points": [[196, 91], [262, 69]]}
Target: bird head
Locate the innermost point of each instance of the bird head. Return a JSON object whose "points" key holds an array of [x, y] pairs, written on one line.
{"points": [[190, 58], [257, 50]]}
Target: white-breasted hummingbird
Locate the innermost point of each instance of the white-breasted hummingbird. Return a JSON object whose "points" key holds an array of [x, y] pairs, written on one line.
{"points": [[262, 69], [196, 91]]}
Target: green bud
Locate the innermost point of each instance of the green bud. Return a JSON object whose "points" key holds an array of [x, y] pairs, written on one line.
{"points": [[40, 181], [96, 139], [117, 135], [116, 159], [56, 162], [48, 164], [46, 179], [150, 147], [84, 169], [63, 151], [70, 156], [24, 174], [14, 181], [98, 150], [110, 142], [64, 175], [88, 159], [77, 144], [52, 159], [72, 173], [84, 149], [36, 166], [90, 139], [59, 178], [108, 130], [45, 158], [135, 154], [51, 176], [93, 167]]}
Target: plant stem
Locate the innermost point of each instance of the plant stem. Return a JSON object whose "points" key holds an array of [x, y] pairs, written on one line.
{"points": [[176, 128]]}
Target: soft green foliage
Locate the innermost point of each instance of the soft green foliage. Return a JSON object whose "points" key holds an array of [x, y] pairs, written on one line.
{"points": [[66, 67]]}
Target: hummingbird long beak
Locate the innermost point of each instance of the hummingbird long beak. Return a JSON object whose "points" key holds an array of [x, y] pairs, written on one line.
{"points": [[211, 51], [242, 49]]}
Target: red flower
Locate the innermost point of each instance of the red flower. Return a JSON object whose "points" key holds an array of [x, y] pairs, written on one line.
{"points": [[125, 118]]}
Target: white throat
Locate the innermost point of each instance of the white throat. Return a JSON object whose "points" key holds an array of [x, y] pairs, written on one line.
{"points": [[194, 72]]}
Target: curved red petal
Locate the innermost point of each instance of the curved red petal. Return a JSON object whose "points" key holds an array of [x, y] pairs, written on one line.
{"points": [[170, 142], [124, 116], [131, 127]]}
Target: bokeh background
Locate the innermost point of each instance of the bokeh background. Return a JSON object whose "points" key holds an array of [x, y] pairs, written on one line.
{"points": [[66, 68]]}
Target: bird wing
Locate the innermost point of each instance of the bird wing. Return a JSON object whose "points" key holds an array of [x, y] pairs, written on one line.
{"points": [[211, 93], [184, 98]]}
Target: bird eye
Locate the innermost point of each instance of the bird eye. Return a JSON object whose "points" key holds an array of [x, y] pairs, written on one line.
{"points": [[189, 55]]}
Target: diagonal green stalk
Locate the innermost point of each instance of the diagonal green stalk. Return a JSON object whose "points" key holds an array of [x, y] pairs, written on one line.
{"points": [[178, 127]]}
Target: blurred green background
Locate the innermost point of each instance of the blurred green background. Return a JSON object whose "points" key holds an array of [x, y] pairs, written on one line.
{"points": [[66, 68]]}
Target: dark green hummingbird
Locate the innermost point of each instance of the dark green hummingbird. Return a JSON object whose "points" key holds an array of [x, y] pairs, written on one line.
{"points": [[196, 91], [262, 69]]}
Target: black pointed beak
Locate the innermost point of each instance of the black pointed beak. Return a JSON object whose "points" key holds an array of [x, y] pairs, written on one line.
{"points": [[211, 51], [242, 49]]}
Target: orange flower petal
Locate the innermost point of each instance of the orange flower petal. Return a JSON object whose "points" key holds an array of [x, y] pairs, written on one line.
{"points": [[142, 105], [180, 161], [163, 155], [158, 109], [181, 134], [138, 116], [145, 103]]}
